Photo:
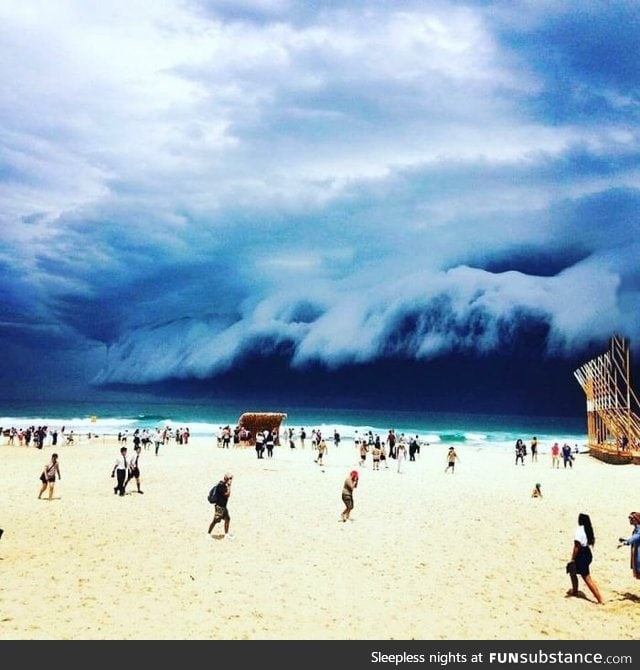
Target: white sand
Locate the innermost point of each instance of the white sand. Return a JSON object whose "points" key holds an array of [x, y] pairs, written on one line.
{"points": [[469, 556]]}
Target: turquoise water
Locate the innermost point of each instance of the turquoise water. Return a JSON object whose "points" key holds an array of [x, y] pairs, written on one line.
{"points": [[108, 418]]}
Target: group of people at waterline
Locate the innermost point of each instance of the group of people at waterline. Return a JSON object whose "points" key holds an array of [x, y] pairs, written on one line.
{"points": [[368, 445], [566, 453], [37, 436], [397, 447]]}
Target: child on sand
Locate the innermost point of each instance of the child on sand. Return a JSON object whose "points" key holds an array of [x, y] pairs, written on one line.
{"points": [[537, 491]]}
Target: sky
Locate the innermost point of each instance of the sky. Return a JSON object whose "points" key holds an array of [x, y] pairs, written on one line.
{"points": [[425, 201]]}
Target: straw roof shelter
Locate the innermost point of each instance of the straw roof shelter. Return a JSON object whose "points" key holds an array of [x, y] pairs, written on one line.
{"points": [[260, 421]]}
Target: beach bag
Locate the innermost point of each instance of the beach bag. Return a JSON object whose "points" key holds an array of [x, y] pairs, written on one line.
{"points": [[213, 495]]}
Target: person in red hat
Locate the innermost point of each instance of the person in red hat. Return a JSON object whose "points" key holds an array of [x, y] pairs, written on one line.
{"points": [[350, 483]]}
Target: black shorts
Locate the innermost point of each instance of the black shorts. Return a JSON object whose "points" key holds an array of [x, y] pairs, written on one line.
{"points": [[221, 513], [583, 561]]}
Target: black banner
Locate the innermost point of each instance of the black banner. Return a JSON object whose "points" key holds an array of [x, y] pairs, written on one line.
{"points": [[335, 655]]}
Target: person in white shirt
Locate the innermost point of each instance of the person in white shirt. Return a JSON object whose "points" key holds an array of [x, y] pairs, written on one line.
{"points": [[134, 468], [120, 468], [157, 440], [581, 557], [401, 455]]}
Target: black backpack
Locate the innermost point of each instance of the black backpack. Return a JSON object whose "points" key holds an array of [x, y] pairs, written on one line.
{"points": [[213, 495]]}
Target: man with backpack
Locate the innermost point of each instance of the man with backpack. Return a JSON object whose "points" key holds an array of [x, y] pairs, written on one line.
{"points": [[219, 497]]}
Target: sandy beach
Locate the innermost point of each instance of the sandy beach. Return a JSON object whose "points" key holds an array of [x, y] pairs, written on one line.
{"points": [[428, 555]]}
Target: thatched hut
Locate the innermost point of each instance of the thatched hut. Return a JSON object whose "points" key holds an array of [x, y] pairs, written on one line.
{"points": [[260, 421]]}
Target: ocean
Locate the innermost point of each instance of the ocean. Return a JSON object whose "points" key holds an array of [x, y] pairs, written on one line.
{"points": [[205, 419]]}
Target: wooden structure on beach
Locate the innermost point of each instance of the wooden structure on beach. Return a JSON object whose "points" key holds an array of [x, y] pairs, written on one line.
{"points": [[613, 421], [260, 421]]}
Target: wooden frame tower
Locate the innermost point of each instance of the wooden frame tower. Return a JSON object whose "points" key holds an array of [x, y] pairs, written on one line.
{"points": [[613, 422]]}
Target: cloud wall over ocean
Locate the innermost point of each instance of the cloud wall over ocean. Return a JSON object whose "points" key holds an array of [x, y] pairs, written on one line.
{"points": [[185, 184]]}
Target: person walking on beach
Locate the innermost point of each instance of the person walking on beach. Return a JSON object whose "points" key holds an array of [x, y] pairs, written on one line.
{"points": [[221, 501], [269, 440], [119, 471], [383, 455], [567, 456], [581, 558], [48, 477], [322, 450], [134, 469], [520, 452], [336, 438], [259, 444], [452, 457], [391, 442], [157, 440], [364, 448], [413, 448], [375, 456], [633, 541], [401, 455], [350, 484], [534, 449], [555, 455]]}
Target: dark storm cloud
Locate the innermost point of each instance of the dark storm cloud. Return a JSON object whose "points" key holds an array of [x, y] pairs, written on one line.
{"points": [[185, 186]]}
